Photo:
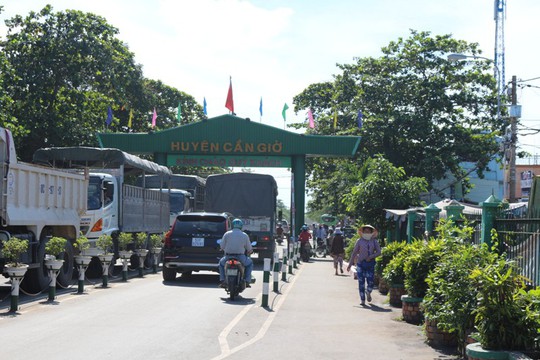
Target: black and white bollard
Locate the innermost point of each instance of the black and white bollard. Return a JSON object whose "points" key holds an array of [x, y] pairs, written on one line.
{"points": [[155, 252], [16, 274], [284, 266], [125, 255], [266, 282], [54, 267], [296, 260], [82, 262], [105, 262], [276, 272], [290, 261], [142, 255]]}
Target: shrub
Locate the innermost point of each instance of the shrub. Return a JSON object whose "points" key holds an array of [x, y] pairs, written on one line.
{"points": [[421, 261], [82, 243], [55, 246], [394, 272], [451, 296], [13, 249], [387, 253], [124, 239], [105, 243], [140, 240], [156, 240]]}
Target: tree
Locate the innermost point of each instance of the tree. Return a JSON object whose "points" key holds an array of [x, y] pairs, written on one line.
{"points": [[383, 186], [68, 68], [421, 112]]}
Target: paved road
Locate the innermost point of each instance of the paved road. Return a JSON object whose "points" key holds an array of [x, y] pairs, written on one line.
{"points": [[316, 316]]}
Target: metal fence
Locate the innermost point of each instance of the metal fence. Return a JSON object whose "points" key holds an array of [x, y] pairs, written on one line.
{"points": [[519, 238]]}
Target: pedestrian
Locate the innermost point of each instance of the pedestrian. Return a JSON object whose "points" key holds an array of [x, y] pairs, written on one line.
{"points": [[337, 250], [365, 251]]}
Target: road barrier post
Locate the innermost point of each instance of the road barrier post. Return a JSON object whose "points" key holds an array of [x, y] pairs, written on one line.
{"points": [[284, 266], [276, 272], [266, 282]]}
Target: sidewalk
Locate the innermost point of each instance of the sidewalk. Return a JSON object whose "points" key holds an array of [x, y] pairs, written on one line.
{"points": [[321, 318]]}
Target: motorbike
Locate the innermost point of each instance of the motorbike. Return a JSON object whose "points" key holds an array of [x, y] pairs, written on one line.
{"points": [[306, 251], [322, 249], [234, 276]]}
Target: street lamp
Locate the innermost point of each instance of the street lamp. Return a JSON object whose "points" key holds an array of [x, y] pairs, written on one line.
{"points": [[459, 57]]}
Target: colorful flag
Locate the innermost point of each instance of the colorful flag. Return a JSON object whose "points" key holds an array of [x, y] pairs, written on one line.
{"points": [[285, 107], [335, 119], [229, 104], [204, 107], [130, 117], [109, 116], [260, 107], [154, 117], [359, 119], [179, 113], [310, 117]]}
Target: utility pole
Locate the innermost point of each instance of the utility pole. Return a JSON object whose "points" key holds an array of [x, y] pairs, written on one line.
{"points": [[513, 141]]}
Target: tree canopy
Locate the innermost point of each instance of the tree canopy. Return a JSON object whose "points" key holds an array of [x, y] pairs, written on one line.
{"points": [[420, 111], [67, 69]]}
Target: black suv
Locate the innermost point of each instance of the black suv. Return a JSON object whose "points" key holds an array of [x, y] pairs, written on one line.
{"points": [[191, 244]]}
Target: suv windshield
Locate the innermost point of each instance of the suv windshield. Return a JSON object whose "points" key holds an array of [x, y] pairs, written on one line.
{"points": [[187, 224]]}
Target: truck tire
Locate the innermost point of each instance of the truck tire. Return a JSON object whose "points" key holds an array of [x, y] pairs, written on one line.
{"points": [[168, 274], [65, 276], [37, 279]]}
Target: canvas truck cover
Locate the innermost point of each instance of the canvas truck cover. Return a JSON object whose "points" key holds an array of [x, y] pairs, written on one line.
{"points": [[242, 194], [96, 158], [174, 181]]}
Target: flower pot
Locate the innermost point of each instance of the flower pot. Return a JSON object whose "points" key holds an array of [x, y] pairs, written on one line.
{"points": [[125, 254], [476, 352], [411, 309], [16, 271], [437, 337], [53, 264], [105, 258], [141, 252], [156, 250], [396, 291], [82, 260], [91, 252], [383, 286]]}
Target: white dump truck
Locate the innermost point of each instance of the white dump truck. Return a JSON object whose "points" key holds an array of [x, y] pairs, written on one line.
{"points": [[115, 203], [37, 203]]}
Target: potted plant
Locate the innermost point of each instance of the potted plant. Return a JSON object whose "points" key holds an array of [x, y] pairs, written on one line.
{"points": [[105, 243], [505, 316], [422, 259], [394, 275], [450, 299], [12, 250], [124, 240], [82, 244], [140, 242], [156, 242], [54, 247], [387, 253]]}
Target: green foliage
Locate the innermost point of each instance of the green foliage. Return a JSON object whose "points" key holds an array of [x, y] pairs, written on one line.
{"points": [[422, 259], [55, 246], [140, 240], [12, 250], [105, 243], [124, 239], [394, 272], [387, 253], [423, 113], [503, 317], [82, 243], [156, 240], [384, 186]]}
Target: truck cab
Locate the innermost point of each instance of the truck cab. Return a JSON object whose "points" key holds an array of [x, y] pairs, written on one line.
{"points": [[102, 206]]}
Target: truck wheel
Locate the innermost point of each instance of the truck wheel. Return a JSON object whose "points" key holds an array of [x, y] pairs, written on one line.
{"points": [[65, 275], [168, 274], [37, 279], [94, 270]]}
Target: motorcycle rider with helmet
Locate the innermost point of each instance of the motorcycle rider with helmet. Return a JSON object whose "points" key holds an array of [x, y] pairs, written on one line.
{"points": [[235, 243], [304, 238]]}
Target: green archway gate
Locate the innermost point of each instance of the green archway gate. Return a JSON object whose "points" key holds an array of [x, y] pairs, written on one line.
{"points": [[230, 141]]}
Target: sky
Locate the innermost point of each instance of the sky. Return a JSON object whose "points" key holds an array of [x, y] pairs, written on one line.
{"points": [[274, 49]]}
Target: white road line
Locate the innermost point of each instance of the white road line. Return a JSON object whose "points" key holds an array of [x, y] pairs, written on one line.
{"points": [[224, 345]]}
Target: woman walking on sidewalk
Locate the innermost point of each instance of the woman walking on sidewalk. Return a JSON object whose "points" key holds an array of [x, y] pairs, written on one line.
{"points": [[337, 250], [365, 251]]}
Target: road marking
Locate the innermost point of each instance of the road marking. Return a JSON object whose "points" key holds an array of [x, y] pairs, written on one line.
{"points": [[224, 345]]}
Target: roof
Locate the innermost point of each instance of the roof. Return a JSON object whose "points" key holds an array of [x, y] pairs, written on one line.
{"points": [[96, 158]]}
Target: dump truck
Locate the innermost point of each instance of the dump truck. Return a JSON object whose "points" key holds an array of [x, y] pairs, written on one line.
{"points": [[38, 203], [192, 183], [251, 198], [115, 203]]}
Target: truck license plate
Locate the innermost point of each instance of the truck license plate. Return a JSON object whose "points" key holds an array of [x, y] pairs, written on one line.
{"points": [[232, 272], [199, 242]]}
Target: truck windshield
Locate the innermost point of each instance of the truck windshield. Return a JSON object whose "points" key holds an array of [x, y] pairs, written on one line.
{"points": [[94, 193], [177, 202]]}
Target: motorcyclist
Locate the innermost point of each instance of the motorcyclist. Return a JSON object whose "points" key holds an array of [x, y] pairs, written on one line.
{"points": [[235, 243], [304, 237]]}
